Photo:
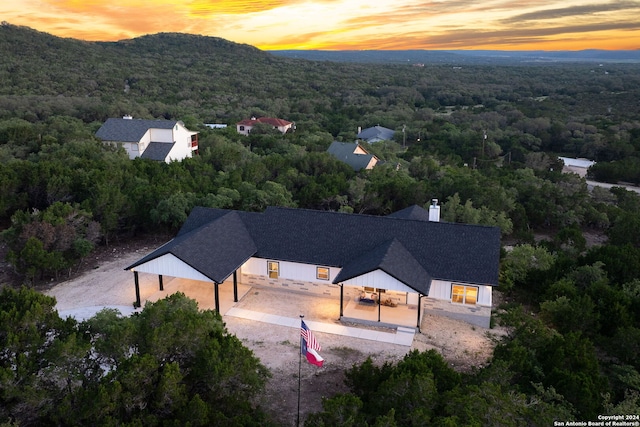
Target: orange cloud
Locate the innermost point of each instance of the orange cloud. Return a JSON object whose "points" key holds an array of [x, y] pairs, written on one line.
{"points": [[206, 8], [347, 24]]}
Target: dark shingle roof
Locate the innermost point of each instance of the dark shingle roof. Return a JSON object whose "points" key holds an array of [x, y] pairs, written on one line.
{"points": [[412, 251], [344, 151], [392, 258], [412, 212], [157, 151], [130, 130], [376, 133], [215, 249]]}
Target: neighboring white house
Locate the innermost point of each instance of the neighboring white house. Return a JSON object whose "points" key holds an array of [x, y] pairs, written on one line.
{"points": [[352, 154], [409, 257], [161, 140], [245, 126]]}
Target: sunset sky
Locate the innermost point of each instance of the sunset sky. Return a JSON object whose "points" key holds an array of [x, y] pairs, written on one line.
{"points": [[347, 24]]}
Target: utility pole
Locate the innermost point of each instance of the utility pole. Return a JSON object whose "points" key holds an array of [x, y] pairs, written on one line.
{"points": [[484, 138], [404, 135]]}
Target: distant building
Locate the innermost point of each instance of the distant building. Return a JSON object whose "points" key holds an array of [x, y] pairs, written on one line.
{"points": [[215, 125], [352, 154], [245, 126], [375, 134], [578, 163], [161, 140], [578, 166]]}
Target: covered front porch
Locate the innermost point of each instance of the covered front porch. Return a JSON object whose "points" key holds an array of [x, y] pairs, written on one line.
{"points": [[209, 296], [375, 314], [275, 300]]}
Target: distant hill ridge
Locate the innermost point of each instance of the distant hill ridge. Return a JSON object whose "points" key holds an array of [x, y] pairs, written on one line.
{"points": [[464, 56], [17, 40]]}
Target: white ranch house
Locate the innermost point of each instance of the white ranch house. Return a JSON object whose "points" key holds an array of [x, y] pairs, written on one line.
{"points": [[408, 259], [160, 140]]}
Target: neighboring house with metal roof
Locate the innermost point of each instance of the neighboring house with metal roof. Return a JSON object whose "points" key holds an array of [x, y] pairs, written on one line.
{"points": [[244, 127], [352, 154], [375, 134], [161, 140], [579, 162], [578, 166], [411, 261]]}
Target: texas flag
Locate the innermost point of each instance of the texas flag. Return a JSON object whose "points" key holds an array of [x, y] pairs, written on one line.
{"points": [[309, 346]]}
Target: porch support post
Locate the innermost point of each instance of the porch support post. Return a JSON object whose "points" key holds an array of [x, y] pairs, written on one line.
{"points": [[160, 281], [341, 299], [235, 286], [216, 296], [379, 306], [137, 283], [419, 310]]}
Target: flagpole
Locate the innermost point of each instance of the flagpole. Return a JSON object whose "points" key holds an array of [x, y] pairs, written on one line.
{"points": [[299, 371]]}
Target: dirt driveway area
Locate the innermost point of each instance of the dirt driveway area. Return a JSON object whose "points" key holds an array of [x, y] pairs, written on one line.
{"points": [[105, 283]]}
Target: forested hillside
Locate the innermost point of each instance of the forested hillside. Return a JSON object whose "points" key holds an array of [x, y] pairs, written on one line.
{"points": [[484, 140]]}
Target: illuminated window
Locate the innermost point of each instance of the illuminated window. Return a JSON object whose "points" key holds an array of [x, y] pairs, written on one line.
{"points": [[273, 269], [464, 294], [322, 273]]}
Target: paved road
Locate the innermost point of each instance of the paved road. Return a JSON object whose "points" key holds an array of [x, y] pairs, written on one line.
{"points": [[592, 184]]}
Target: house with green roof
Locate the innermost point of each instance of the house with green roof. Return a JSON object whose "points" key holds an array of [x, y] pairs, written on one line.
{"points": [[352, 154]]}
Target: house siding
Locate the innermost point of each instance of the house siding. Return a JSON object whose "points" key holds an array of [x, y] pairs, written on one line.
{"points": [[379, 279], [292, 276], [441, 290], [182, 149], [169, 265], [359, 150], [244, 129], [439, 303], [161, 135], [132, 149]]}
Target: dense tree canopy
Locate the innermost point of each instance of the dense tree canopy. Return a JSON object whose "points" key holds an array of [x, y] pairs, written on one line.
{"points": [[482, 139], [170, 365]]}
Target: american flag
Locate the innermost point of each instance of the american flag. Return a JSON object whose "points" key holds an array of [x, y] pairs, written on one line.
{"points": [[310, 346]]}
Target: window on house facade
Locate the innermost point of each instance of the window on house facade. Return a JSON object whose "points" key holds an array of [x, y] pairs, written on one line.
{"points": [[464, 294], [322, 273], [241, 127], [273, 269]]}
